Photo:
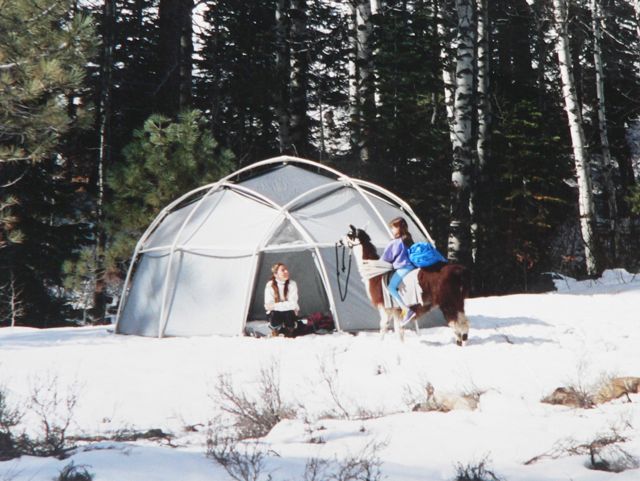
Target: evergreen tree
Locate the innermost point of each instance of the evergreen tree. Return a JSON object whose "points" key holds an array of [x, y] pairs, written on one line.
{"points": [[44, 49], [164, 160], [237, 81]]}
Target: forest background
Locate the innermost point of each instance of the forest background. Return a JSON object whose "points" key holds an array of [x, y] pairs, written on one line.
{"points": [[512, 127]]}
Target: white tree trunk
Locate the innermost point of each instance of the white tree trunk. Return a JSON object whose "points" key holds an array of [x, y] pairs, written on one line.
{"points": [[459, 248], [636, 6], [607, 164], [585, 197], [16, 307], [448, 66], [484, 104], [484, 120]]}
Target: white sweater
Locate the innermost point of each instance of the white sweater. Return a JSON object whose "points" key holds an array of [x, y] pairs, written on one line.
{"points": [[291, 304]]}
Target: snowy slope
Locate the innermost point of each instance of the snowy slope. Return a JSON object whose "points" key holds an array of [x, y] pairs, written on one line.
{"points": [[521, 348]]}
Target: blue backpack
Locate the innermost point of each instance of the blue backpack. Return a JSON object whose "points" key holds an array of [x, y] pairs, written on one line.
{"points": [[423, 254]]}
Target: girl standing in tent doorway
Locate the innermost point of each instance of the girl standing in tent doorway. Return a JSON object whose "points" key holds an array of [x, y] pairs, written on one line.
{"points": [[397, 253], [281, 301]]}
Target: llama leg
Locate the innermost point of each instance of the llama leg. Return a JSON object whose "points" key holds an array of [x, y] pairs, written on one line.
{"points": [[397, 323], [384, 320], [460, 325]]}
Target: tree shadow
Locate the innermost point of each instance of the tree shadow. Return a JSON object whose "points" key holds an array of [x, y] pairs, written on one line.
{"points": [[506, 339], [484, 322]]}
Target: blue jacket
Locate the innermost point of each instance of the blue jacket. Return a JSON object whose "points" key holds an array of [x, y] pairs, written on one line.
{"points": [[397, 254]]}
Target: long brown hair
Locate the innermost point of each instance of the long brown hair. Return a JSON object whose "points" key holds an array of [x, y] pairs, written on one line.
{"points": [[403, 230], [274, 283]]}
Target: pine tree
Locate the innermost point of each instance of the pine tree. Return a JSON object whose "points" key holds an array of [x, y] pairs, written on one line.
{"points": [[164, 160], [44, 49]]}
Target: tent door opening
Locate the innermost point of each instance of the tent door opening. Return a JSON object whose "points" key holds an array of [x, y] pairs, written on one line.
{"points": [[303, 270]]}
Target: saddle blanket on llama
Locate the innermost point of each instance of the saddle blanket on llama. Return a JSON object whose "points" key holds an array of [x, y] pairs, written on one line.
{"points": [[409, 289]]}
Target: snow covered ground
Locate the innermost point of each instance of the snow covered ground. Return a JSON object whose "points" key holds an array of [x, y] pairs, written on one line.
{"points": [[521, 348]]}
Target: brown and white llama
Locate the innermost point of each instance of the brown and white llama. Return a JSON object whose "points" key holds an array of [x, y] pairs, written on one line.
{"points": [[443, 285]]}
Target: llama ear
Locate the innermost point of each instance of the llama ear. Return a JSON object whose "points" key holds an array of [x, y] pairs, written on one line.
{"points": [[366, 226], [353, 229]]}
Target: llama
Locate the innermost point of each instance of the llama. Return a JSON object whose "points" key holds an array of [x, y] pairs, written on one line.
{"points": [[443, 285]]}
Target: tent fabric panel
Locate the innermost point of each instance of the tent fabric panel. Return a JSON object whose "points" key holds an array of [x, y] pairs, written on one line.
{"points": [[283, 184], [141, 312], [328, 219], [165, 234], [355, 313], [303, 270], [237, 221], [209, 295], [390, 211]]}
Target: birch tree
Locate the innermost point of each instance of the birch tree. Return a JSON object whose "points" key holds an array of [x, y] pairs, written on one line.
{"points": [[636, 7], [607, 164], [484, 121], [459, 249], [448, 45], [574, 117]]}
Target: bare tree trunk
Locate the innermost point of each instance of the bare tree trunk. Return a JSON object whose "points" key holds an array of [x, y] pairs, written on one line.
{"points": [[448, 45], [376, 6], [16, 306], [104, 152], [186, 55], [459, 248], [354, 100], [585, 196], [607, 164], [173, 93], [636, 6], [298, 81], [484, 123], [366, 86], [282, 65]]}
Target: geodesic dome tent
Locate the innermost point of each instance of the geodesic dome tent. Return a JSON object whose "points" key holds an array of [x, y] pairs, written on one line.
{"points": [[201, 266]]}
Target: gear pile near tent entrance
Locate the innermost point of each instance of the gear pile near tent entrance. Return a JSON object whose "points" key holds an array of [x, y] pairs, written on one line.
{"points": [[201, 266]]}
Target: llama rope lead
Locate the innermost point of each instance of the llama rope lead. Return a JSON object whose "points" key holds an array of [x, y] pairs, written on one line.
{"points": [[343, 296]]}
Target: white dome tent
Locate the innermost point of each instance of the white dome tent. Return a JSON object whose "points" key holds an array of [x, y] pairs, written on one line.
{"points": [[201, 266]]}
